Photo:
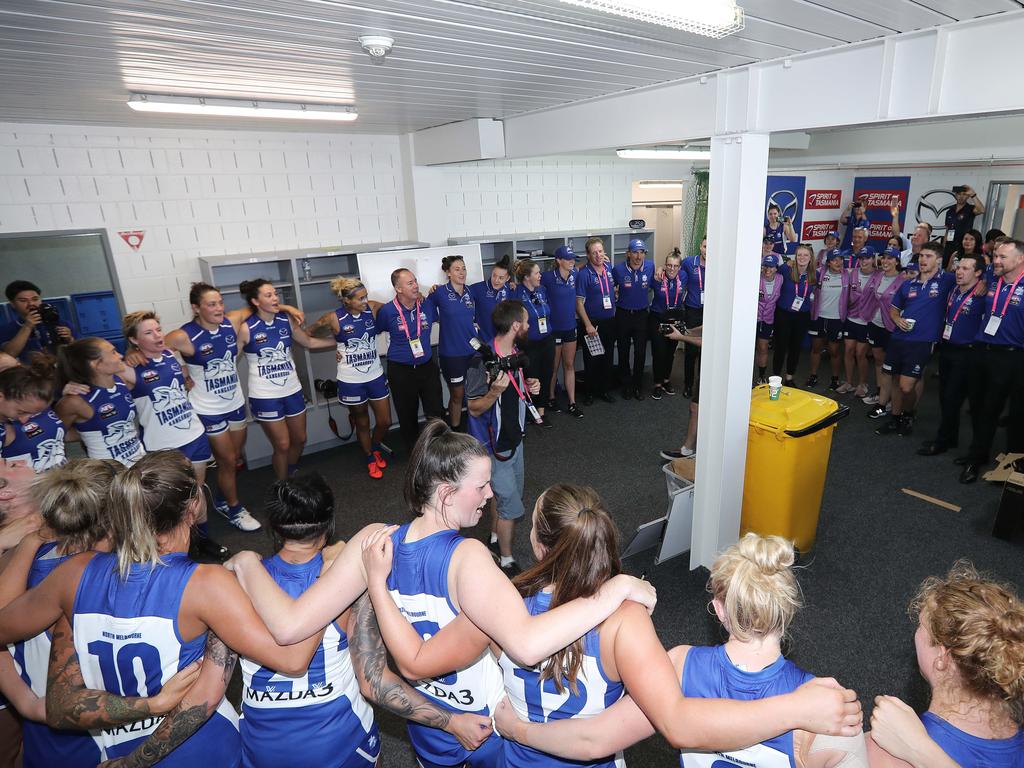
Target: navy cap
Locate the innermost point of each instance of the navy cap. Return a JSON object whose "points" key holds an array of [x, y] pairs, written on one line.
{"points": [[866, 253], [770, 261], [565, 252], [636, 245], [835, 253], [892, 251], [832, 234]]}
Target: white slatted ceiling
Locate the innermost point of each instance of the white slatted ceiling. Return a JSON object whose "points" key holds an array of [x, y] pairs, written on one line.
{"points": [[75, 62]]}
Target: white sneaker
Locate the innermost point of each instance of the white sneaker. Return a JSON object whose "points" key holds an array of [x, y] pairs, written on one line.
{"points": [[843, 388], [870, 400], [243, 521], [860, 392], [686, 452]]}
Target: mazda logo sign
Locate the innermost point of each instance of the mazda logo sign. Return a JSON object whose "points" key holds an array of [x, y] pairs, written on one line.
{"points": [[787, 202], [932, 207]]}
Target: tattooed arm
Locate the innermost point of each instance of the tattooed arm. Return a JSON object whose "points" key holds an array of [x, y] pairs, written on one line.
{"points": [[195, 709], [382, 686], [72, 706]]}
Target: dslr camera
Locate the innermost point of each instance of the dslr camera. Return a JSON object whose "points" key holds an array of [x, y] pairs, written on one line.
{"points": [[958, 189], [494, 364], [326, 387], [51, 319], [676, 325]]}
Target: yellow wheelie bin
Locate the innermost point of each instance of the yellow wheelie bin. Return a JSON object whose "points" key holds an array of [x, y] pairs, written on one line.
{"points": [[788, 445]]}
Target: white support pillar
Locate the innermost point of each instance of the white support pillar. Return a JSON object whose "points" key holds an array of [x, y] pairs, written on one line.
{"points": [[739, 169]]}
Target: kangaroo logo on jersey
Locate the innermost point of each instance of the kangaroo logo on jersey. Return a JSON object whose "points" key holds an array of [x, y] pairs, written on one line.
{"points": [[50, 453], [171, 406], [122, 440], [274, 364], [220, 376], [361, 352]]}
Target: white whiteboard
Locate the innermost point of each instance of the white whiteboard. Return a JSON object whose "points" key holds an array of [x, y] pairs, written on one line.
{"points": [[375, 269]]}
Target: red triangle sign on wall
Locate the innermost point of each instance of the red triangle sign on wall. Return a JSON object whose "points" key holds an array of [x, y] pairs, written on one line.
{"points": [[133, 238]]}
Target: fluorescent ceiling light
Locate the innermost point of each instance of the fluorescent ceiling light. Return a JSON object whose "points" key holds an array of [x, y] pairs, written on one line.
{"points": [[711, 18], [201, 105], [660, 185], [676, 153]]}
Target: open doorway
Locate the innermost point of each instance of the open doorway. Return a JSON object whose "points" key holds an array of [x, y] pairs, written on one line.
{"points": [[660, 204]]}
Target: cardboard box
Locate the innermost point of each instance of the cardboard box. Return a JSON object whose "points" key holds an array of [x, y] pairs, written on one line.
{"points": [[685, 468], [1011, 507], [1004, 470]]}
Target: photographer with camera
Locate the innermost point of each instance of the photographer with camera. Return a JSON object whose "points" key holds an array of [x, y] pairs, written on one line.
{"points": [[498, 395], [854, 216], [37, 328], [960, 218]]}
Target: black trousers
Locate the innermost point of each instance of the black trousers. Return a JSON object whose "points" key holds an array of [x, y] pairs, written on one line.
{"points": [[411, 385], [694, 318], [790, 329], [598, 370], [663, 349], [542, 365], [631, 331], [996, 374], [954, 370]]}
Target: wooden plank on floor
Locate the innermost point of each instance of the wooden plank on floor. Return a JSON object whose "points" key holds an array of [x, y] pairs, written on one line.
{"points": [[931, 500]]}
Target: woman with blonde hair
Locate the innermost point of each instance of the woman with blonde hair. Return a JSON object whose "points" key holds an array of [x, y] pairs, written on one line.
{"points": [[734, 695], [793, 311], [970, 650], [361, 381], [572, 528]]}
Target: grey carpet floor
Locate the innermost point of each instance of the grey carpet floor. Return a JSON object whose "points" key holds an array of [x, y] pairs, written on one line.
{"points": [[875, 544]]}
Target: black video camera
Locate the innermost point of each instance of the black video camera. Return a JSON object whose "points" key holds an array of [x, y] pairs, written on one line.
{"points": [[494, 364], [326, 387], [677, 325], [51, 319]]}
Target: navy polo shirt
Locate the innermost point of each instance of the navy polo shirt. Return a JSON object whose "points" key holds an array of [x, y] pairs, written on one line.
{"points": [[669, 293], [925, 302], [634, 284], [696, 281], [562, 297], [388, 320], [1008, 303], [963, 312], [790, 290], [537, 306], [851, 224], [39, 340], [958, 222], [592, 288], [457, 316], [487, 298]]}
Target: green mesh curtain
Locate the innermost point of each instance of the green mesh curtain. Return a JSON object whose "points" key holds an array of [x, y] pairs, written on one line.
{"points": [[699, 226]]}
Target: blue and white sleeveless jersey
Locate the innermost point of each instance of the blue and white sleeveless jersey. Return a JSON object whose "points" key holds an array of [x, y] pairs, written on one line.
{"points": [[129, 643], [710, 674], [39, 442], [969, 751], [540, 702], [268, 353], [319, 718], [418, 584], [165, 414], [358, 361], [216, 389], [45, 746], [111, 432]]}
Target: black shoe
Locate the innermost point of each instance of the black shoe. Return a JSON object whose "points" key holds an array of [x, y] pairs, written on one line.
{"points": [[969, 474], [627, 393], [931, 449], [205, 548], [668, 388], [574, 411], [906, 426], [833, 385], [891, 427], [608, 397], [588, 400], [812, 381], [961, 461], [638, 394], [512, 569], [877, 412], [657, 392], [554, 407]]}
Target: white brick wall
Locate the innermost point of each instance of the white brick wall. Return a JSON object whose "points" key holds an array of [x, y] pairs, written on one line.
{"points": [[198, 193]]}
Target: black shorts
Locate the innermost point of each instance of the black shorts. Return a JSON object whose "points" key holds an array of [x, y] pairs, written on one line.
{"points": [[907, 358], [829, 328], [565, 337], [454, 368], [765, 330], [878, 337], [855, 331]]}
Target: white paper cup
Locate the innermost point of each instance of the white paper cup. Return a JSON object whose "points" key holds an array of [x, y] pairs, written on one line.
{"points": [[774, 387], [911, 322]]}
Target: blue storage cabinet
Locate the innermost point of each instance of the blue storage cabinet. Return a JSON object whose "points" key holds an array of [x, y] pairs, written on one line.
{"points": [[97, 312]]}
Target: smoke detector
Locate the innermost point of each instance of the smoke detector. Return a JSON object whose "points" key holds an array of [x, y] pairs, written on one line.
{"points": [[377, 46]]}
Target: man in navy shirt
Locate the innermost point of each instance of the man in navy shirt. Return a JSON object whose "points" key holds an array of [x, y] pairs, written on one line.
{"points": [[853, 217], [595, 305], [634, 279], [918, 310], [960, 218], [963, 317], [695, 270], [997, 363], [28, 333], [412, 372]]}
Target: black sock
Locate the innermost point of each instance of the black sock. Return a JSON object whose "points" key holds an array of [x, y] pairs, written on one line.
{"points": [[761, 370]]}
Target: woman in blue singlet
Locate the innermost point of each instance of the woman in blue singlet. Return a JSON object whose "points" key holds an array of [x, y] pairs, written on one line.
{"points": [[755, 595], [142, 613], [39, 440], [970, 650], [456, 313], [275, 392], [104, 416], [362, 384]]}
